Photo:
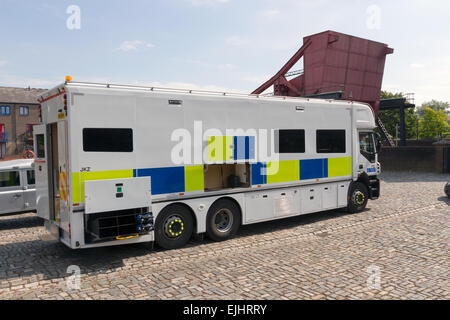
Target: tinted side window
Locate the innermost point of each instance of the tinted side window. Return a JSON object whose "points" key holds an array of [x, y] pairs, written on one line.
{"points": [[290, 141], [107, 140], [9, 179], [31, 180], [40, 144], [330, 141]]}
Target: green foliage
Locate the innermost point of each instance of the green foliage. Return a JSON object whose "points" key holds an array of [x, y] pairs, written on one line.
{"points": [[433, 124], [391, 118], [434, 105]]}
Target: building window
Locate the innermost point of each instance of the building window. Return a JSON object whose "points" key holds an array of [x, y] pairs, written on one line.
{"points": [[107, 140], [40, 146], [5, 110], [290, 141], [330, 141], [24, 111]]}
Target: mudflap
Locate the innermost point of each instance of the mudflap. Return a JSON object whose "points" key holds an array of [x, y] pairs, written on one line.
{"points": [[374, 189]]}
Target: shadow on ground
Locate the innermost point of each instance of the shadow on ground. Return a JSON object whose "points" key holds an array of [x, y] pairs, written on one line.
{"points": [[51, 258], [445, 200], [19, 221], [389, 177]]}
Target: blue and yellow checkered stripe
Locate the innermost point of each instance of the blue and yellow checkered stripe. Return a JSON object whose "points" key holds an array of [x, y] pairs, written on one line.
{"points": [[295, 170], [230, 148], [191, 178]]}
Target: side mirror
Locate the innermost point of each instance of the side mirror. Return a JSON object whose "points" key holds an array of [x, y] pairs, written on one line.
{"points": [[378, 142]]}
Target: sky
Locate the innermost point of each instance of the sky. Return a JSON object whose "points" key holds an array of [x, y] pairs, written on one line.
{"points": [[226, 45]]}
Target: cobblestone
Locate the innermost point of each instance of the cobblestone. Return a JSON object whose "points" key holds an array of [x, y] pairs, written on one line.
{"points": [[404, 238]]}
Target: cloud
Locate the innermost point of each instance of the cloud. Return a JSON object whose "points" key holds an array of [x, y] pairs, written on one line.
{"points": [[23, 82], [199, 3], [3, 63], [236, 41], [270, 13], [134, 45], [256, 79], [417, 66], [221, 66]]}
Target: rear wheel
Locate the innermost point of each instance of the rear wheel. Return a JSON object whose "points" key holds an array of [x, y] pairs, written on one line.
{"points": [[223, 220], [173, 227], [358, 197]]}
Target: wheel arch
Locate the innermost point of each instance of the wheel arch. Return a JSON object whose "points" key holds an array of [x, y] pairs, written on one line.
{"points": [[364, 178]]}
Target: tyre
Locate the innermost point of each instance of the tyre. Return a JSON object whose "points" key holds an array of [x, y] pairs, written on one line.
{"points": [[173, 227], [358, 197], [223, 220], [447, 189]]}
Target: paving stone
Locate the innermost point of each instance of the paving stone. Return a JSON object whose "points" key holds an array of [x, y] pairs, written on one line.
{"points": [[399, 248]]}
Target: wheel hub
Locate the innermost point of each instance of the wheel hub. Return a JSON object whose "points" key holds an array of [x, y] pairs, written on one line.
{"points": [[223, 220], [174, 227], [359, 198]]}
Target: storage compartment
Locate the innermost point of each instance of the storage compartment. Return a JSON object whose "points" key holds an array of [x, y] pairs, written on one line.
{"points": [[227, 176], [329, 196], [110, 225], [311, 199]]}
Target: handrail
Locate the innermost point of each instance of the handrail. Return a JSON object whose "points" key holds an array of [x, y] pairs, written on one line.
{"points": [[188, 91]]}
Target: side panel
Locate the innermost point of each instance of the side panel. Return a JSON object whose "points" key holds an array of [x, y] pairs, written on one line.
{"points": [[63, 176], [41, 148]]}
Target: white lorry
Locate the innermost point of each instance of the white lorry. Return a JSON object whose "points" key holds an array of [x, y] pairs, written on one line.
{"points": [[120, 164]]}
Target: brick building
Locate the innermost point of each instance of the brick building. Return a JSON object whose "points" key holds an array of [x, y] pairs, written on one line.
{"points": [[18, 113]]}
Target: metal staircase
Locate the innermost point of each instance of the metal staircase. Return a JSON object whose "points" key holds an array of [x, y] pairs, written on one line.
{"points": [[385, 133]]}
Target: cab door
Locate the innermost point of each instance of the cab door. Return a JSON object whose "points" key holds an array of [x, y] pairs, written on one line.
{"points": [[367, 153]]}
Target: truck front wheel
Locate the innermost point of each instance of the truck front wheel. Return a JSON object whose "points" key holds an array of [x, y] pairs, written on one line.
{"points": [[358, 197]]}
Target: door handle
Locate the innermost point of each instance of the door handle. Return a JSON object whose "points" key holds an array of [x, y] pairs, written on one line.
{"points": [[17, 196]]}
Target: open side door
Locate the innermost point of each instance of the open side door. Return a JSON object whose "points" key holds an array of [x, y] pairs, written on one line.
{"points": [[42, 164]]}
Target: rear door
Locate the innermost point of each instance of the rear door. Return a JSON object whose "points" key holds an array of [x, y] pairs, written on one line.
{"points": [[11, 193], [42, 165]]}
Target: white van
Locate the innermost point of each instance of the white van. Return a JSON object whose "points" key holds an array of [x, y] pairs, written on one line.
{"points": [[17, 186]]}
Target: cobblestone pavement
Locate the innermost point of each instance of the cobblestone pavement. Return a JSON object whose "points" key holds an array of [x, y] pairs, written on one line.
{"points": [[399, 248]]}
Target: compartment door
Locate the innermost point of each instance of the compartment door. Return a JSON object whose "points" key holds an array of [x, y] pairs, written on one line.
{"points": [[42, 152], [63, 175]]}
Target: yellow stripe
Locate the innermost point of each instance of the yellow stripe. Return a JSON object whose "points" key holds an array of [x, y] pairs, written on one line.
{"points": [[194, 178], [283, 171], [78, 180], [339, 167], [220, 149]]}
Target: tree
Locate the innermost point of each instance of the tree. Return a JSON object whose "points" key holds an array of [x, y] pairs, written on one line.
{"points": [[391, 118], [433, 104], [433, 124]]}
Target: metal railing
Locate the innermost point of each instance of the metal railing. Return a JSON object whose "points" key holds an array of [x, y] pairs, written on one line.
{"points": [[188, 91], [4, 137]]}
